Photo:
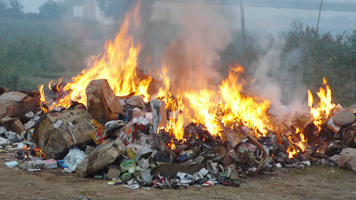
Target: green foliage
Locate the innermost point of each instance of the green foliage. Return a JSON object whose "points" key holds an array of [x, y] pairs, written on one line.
{"points": [[116, 9], [13, 9], [324, 55], [306, 57], [37, 48], [52, 10]]}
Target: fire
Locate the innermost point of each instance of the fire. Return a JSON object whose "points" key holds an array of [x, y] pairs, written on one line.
{"points": [[205, 110], [117, 64], [163, 93], [291, 152], [176, 121], [57, 85], [175, 124], [242, 108], [40, 151], [171, 145], [43, 101], [322, 110], [226, 103]]}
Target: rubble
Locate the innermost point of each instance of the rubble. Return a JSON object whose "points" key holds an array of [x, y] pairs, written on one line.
{"points": [[100, 158], [76, 125], [17, 104], [102, 103], [123, 139], [348, 159]]}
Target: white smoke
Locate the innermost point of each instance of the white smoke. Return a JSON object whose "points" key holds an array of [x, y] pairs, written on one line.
{"points": [[276, 83], [194, 54]]}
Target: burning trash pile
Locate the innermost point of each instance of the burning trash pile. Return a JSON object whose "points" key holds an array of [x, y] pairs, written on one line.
{"points": [[131, 142], [115, 122]]}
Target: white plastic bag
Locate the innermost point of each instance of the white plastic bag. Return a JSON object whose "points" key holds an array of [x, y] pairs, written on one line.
{"points": [[73, 158]]}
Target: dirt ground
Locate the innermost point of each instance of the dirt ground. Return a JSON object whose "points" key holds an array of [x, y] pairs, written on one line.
{"points": [[312, 183]]}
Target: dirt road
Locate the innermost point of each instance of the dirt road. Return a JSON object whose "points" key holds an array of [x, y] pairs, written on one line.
{"points": [[312, 183]]}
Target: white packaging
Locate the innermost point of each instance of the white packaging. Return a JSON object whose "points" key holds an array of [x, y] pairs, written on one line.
{"points": [[50, 164], [30, 114], [57, 124], [113, 125], [12, 164], [73, 158]]}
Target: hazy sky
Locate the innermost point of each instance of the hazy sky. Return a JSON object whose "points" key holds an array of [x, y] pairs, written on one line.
{"points": [[265, 18], [32, 5]]}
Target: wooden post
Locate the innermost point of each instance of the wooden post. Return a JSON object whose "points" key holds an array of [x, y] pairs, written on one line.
{"points": [[243, 25], [317, 25]]}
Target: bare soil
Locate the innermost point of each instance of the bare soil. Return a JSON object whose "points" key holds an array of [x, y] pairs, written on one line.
{"points": [[312, 183]]}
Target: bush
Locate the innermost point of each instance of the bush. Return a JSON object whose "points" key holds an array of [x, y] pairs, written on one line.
{"points": [[52, 10], [36, 47], [324, 55]]}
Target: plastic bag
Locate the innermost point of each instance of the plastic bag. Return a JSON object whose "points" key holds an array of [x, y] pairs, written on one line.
{"points": [[4, 142], [73, 158]]}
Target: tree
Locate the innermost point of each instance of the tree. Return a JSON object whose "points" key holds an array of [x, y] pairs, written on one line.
{"points": [[16, 5], [11, 8], [116, 9], [52, 10], [3, 5]]}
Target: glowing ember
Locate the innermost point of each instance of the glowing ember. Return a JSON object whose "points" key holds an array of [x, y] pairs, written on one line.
{"points": [[40, 151]]}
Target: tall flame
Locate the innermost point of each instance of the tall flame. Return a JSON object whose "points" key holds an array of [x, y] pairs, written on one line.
{"points": [[322, 110], [118, 64], [43, 102], [243, 108], [226, 103]]}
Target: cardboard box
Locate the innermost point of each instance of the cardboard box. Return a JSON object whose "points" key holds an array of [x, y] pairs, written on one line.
{"points": [[102, 102], [7, 121], [100, 158], [17, 127], [55, 143], [99, 134], [18, 104], [114, 171]]}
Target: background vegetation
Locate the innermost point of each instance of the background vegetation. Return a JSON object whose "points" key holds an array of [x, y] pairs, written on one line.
{"points": [[305, 58], [36, 48]]}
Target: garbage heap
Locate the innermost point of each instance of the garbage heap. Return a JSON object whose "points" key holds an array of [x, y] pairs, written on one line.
{"points": [[120, 139]]}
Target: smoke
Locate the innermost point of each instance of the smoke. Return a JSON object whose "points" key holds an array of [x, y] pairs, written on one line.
{"points": [[193, 59], [191, 54], [277, 79]]}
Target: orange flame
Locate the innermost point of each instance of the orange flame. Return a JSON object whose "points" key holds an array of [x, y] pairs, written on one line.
{"points": [[205, 110], [322, 110], [243, 108], [175, 124], [233, 108], [39, 150], [43, 101], [118, 64]]}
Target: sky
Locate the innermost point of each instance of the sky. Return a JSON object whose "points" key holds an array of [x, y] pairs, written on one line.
{"points": [[256, 18], [32, 5]]}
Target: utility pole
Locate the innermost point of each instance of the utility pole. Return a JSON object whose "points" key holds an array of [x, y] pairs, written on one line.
{"points": [[243, 25], [317, 25]]}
